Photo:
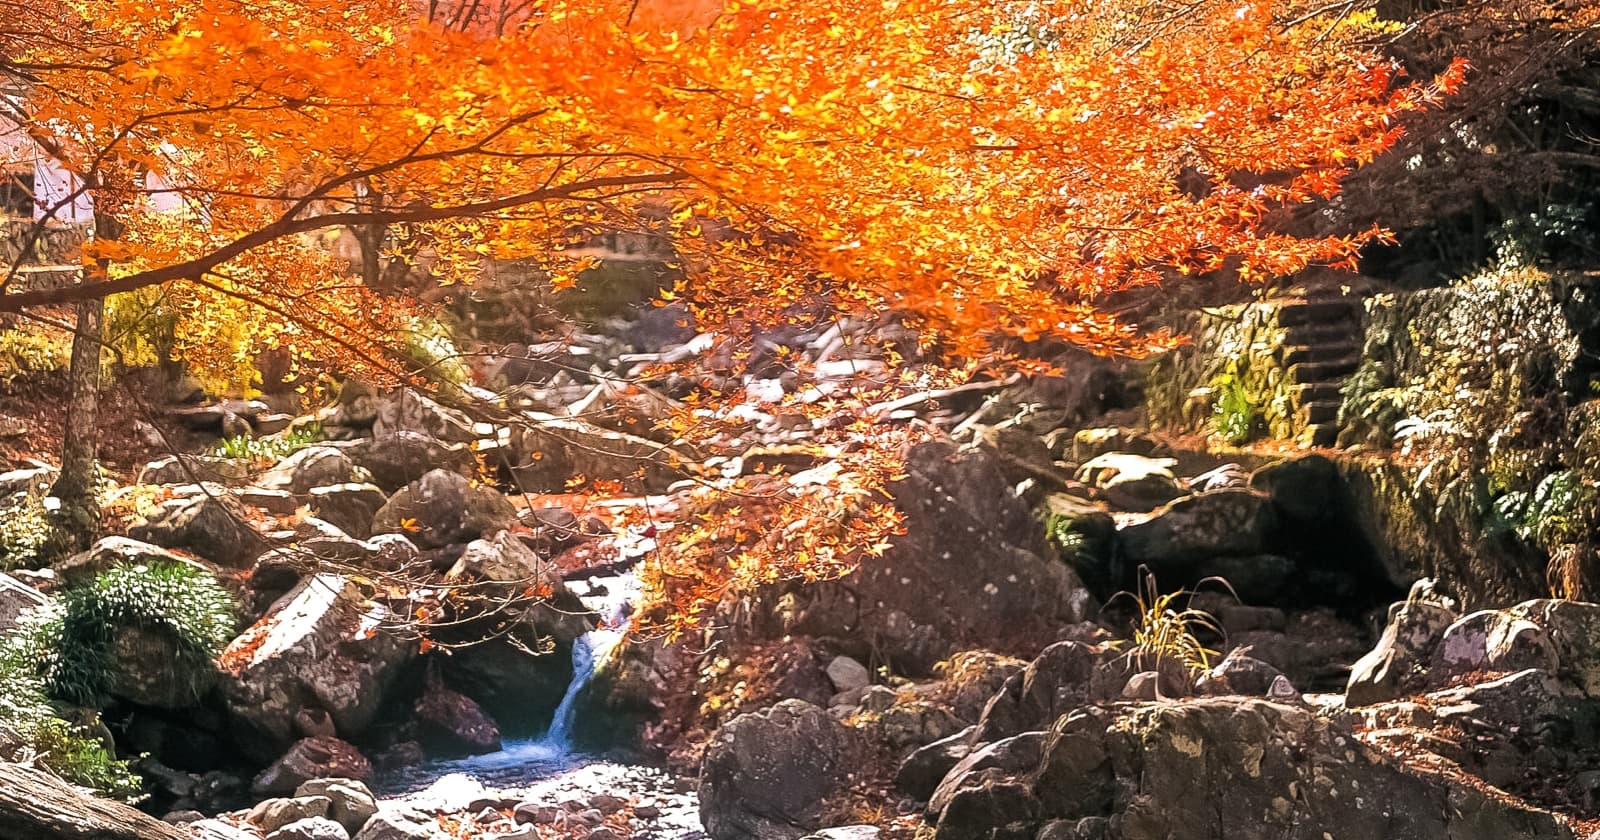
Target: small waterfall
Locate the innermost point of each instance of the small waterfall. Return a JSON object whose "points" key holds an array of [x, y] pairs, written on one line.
{"points": [[587, 652], [549, 756]]}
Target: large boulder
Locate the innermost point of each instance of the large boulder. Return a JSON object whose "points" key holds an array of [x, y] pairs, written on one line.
{"points": [[145, 667], [1057, 681], [545, 451], [319, 757], [1132, 482], [767, 775], [323, 659], [350, 506], [450, 724], [972, 567], [313, 466], [1306, 491], [1180, 536], [987, 789], [399, 458], [515, 654], [1573, 628], [1491, 641], [1235, 768], [1398, 665], [444, 508], [406, 410], [191, 469], [16, 598], [211, 526], [112, 551]]}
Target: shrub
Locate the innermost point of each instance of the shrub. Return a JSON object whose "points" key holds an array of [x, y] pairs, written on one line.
{"points": [[31, 730], [270, 448], [30, 348], [1234, 417], [179, 600], [1163, 631], [25, 530]]}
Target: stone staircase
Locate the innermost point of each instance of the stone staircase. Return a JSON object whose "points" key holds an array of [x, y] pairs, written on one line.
{"points": [[1323, 339]]}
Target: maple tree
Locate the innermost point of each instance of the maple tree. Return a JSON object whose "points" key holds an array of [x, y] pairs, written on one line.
{"points": [[989, 169]]}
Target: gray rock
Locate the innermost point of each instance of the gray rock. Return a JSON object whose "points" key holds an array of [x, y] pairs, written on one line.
{"points": [[450, 724], [16, 598], [921, 771], [985, 788], [848, 674], [313, 828], [443, 508], [1397, 665], [1180, 536], [972, 566], [843, 832], [1573, 628], [351, 802], [213, 527], [767, 774], [1491, 640], [111, 551], [1238, 673], [350, 506], [401, 826], [405, 410], [324, 650], [913, 723], [878, 698], [1057, 681], [188, 469], [1236, 768], [145, 668], [269, 815], [534, 813], [313, 466], [318, 757], [398, 459], [1305, 491]]}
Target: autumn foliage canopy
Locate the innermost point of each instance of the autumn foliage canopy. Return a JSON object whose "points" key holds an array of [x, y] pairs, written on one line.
{"points": [[988, 168]]}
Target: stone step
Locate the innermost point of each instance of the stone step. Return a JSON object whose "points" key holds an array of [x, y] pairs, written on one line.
{"points": [[1314, 353], [1316, 392], [1318, 312], [1323, 435], [1309, 373], [1317, 335], [1317, 413]]}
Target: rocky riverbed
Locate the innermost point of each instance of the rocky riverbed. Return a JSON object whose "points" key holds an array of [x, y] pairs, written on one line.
{"points": [[1086, 631]]}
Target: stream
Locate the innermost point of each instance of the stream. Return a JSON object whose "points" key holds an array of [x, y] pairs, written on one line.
{"points": [[548, 770]]}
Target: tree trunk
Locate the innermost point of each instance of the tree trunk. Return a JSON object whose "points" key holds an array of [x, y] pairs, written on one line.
{"points": [[38, 806], [79, 515]]}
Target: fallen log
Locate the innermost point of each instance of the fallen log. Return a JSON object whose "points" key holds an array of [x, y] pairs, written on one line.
{"points": [[38, 806]]}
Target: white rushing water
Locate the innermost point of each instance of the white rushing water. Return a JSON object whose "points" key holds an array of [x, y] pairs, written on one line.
{"points": [[587, 652], [552, 754]]}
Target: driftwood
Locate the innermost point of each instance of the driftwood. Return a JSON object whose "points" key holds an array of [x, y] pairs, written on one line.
{"points": [[35, 805]]}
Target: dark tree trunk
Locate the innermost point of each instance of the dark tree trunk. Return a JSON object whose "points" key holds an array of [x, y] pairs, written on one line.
{"points": [[78, 517], [77, 520]]}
